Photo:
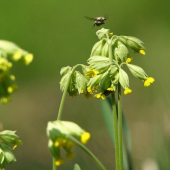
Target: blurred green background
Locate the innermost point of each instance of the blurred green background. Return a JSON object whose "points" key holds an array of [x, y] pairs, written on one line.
{"points": [[58, 35]]}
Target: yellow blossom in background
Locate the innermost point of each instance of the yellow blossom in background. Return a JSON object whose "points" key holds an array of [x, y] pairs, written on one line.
{"points": [[70, 155], [28, 58], [85, 137], [127, 91], [142, 52], [89, 89], [17, 55], [148, 81], [92, 73], [59, 162]]}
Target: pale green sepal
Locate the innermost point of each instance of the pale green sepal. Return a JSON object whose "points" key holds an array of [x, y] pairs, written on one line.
{"points": [[123, 79], [102, 33], [76, 167], [8, 136], [105, 50], [85, 69], [81, 82], [65, 70], [121, 51], [63, 81], [97, 48], [137, 71]]}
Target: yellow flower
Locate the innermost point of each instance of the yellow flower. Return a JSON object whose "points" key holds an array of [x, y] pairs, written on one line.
{"points": [[129, 59], [111, 34], [142, 52], [59, 162], [60, 142], [103, 97], [82, 91], [148, 81], [12, 77], [28, 58], [97, 96], [110, 89], [127, 91], [89, 89], [69, 145], [85, 137], [92, 73], [17, 55]]}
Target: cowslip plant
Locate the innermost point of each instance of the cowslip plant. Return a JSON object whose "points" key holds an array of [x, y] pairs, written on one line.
{"points": [[103, 76], [9, 53]]}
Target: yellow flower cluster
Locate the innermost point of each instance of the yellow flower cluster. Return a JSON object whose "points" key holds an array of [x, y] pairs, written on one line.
{"points": [[99, 95], [148, 81], [68, 145], [129, 59], [142, 52], [127, 91]]}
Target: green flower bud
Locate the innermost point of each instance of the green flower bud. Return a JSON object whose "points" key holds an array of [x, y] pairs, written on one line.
{"points": [[121, 52], [97, 48], [137, 71], [102, 33], [123, 79], [134, 43]]}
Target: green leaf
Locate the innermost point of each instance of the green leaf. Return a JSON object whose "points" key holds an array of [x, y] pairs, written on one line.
{"points": [[123, 79], [94, 81], [76, 167], [106, 108], [63, 81]]}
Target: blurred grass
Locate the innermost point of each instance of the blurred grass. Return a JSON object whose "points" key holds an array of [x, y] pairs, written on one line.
{"points": [[58, 35]]}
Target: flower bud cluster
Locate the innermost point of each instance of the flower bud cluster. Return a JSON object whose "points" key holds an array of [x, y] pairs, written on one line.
{"points": [[105, 70], [7, 138], [60, 135], [9, 53]]}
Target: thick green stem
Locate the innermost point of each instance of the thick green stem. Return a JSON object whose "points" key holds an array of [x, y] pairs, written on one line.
{"points": [[120, 129], [63, 97], [115, 131], [88, 152]]}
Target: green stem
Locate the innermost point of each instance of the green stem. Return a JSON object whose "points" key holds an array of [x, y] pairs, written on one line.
{"points": [[54, 167], [120, 128], [115, 131], [63, 97], [88, 152]]}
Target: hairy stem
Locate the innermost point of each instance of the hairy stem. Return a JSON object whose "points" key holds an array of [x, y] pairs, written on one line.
{"points": [[115, 129], [120, 128]]}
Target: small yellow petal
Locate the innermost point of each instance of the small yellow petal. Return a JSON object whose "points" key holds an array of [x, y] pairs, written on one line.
{"points": [[69, 145], [85, 137], [110, 89], [103, 97], [142, 52], [127, 91], [147, 83], [17, 55], [150, 79], [97, 96]]}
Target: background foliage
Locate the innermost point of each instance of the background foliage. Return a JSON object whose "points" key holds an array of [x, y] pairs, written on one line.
{"points": [[58, 35]]}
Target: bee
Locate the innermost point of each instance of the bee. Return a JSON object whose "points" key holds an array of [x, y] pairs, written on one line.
{"points": [[97, 21]]}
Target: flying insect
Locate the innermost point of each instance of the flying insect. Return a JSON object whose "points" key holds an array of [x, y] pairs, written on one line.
{"points": [[97, 21]]}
